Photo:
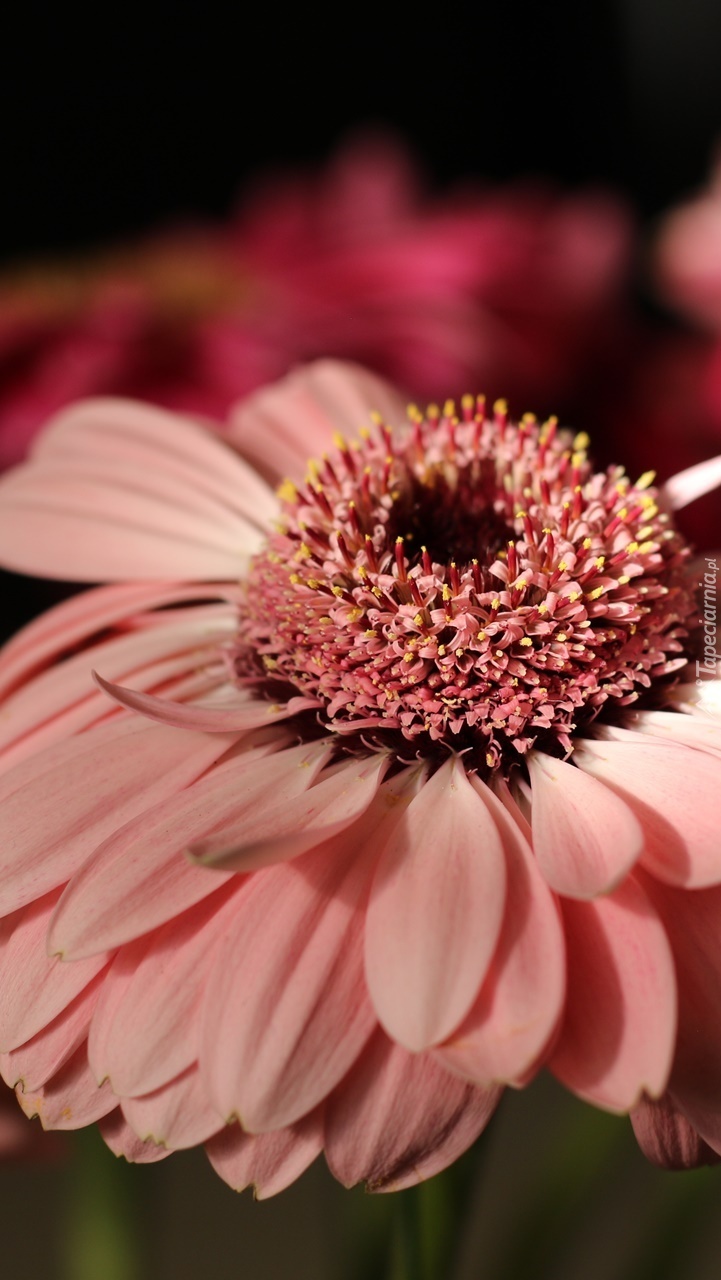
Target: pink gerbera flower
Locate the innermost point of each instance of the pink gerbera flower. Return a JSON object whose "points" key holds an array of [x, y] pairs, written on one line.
{"points": [[393, 787]]}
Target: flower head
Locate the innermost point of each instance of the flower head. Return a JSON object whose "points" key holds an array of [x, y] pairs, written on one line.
{"points": [[391, 789]]}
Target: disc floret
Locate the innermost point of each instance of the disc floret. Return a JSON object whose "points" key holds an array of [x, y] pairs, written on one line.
{"points": [[470, 581]]}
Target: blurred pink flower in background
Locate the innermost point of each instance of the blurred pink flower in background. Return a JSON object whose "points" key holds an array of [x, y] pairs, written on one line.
{"points": [[516, 286], [429, 726]]}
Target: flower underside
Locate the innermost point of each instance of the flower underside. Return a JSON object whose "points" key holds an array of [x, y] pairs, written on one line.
{"points": [[469, 583]]}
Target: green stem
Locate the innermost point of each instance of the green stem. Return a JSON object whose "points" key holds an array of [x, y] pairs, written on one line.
{"points": [[100, 1224]]}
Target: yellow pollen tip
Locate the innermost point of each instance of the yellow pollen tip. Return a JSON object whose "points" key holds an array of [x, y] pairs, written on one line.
{"points": [[632, 548], [563, 565], [338, 592], [433, 411], [447, 593], [371, 633], [418, 620], [597, 591], [500, 406], [623, 579], [295, 578], [521, 584], [354, 614], [399, 541], [314, 583], [287, 491], [408, 657], [543, 608], [578, 459], [526, 642], [270, 664], [468, 402], [600, 561], [303, 552], [376, 417], [561, 637], [339, 440], [480, 635], [449, 409], [495, 604], [646, 480], [586, 544], [441, 651], [574, 596], [581, 441], [489, 760], [646, 547], [362, 572], [364, 433], [650, 508]]}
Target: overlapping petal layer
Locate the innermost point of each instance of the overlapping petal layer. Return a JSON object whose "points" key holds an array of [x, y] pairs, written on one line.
{"points": [[224, 922]]}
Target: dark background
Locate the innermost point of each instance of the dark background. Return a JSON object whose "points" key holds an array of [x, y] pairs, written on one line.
{"points": [[114, 122]]}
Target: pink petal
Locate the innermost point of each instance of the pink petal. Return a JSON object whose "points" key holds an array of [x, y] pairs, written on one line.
{"points": [[280, 427], [65, 699], [296, 949], [435, 912], [138, 878], [521, 1000], [693, 924], [700, 731], [176, 1116], [619, 1031], [62, 628], [35, 987], [242, 715], [667, 1138], [72, 1099], [671, 789], [38, 1059], [398, 1118], [124, 1141], [117, 491], [88, 790], [145, 1030], [267, 1162], [691, 484], [285, 830], [584, 837]]}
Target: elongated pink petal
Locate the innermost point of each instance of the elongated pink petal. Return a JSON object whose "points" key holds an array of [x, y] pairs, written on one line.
{"points": [[138, 878], [398, 1118], [701, 731], [124, 1141], [692, 483], [667, 1138], [584, 836], [287, 829], [267, 1162], [177, 1116], [280, 427], [119, 491], [145, 1029], [619, 1030], [35, 1061], [35, 987], [72, 1099], [179, 647], [240, 717], [53, 823], [671, 789], [435, 912], [91, 613], [693, 924], [286, 1011], [521, 999]]}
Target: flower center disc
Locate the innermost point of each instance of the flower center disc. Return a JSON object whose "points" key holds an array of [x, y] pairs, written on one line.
{"points": [[466, 582]]}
